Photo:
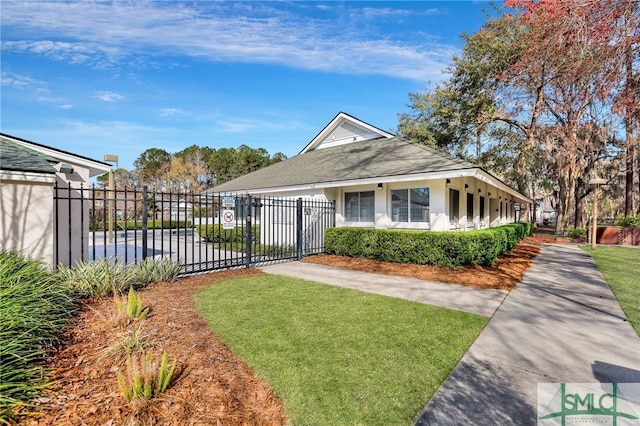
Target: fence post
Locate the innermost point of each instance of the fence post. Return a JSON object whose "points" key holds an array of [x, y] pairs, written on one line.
{"points": [[145, 213], [248, 231], [333, 216], [56, 255], [299, 227]]}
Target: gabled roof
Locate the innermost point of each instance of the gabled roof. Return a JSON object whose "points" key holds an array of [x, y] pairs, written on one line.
{"points": [[344, 129], [95, 167], [378, 158], [351, 152], [16, 157]]}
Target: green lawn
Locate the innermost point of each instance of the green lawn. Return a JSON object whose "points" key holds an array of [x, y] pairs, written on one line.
{"points": [[620, 267], [338, 356]]}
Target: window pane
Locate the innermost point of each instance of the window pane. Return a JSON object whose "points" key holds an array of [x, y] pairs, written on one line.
{"points": [[481, 208], [469, 207], [367, 202], [419, 204], [351, 206], [400, 205], [454, 205]]}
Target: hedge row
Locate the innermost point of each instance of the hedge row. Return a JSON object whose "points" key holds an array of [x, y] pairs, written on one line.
{"points": [[628, 221], [130, 225], [217, 234], [448, 249]]}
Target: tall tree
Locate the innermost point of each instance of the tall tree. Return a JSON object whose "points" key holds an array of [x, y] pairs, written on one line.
{"points": [[546, 69], [628, 100], [570, 49], [199, 157], [122, 178], [149, 164]]}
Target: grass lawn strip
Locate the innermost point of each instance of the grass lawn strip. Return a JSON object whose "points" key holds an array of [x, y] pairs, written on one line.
{"points": [[620, 267], [339, 356]]}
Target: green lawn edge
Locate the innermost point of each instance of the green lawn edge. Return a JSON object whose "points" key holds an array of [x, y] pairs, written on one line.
{"points": [[620, 267], [339, 356]]}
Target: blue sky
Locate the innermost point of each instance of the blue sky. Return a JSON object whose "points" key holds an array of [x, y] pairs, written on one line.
{"points": [[99, 78]]}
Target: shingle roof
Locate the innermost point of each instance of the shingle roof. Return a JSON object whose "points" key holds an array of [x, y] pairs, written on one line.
{"points": [[375, 158], [16, 157]]}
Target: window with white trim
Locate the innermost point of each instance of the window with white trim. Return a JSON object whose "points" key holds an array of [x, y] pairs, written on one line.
{"points": [[359, 206], [410, 205]]}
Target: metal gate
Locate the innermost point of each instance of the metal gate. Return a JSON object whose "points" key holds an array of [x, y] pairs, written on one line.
{"points": [[203, 231]]}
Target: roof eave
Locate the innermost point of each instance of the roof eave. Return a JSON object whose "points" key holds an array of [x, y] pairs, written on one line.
{"points": [[26, 176], [95, 167]]}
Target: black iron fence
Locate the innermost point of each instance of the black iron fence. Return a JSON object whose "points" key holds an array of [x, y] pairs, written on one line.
{"points": [[203, 231]]}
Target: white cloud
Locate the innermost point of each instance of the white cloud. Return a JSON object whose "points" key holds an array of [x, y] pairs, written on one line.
{"points": [[65, 106], [108, 96], [246, 125], [36, 88], [105, 34], [19, 81], [168, 112]]}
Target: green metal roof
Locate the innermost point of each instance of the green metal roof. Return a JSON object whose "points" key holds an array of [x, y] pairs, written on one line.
{"points": [[19, 158], [376, 158]]}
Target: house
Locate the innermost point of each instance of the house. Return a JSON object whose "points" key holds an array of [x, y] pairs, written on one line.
{"points": [[32, 215], [380, 180]]}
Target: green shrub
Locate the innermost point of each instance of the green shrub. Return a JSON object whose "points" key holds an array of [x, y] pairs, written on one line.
{"points": [[130, 225], [578, 233], [448, 249], [34, 309], [217, 234], [628, 221]]}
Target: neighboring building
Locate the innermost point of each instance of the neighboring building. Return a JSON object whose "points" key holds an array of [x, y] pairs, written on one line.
{"points": [[379, 180], [30, 218]]}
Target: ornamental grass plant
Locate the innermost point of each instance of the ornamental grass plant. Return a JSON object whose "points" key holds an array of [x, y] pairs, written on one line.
{"points": [[143, 377], [104, 277], [34, 309], [157, 270]]}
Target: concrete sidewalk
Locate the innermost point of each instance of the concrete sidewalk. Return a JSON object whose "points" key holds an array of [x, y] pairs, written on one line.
{"points": [[482, 302], [560, 324]]}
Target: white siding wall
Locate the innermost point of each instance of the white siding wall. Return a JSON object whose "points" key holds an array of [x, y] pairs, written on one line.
{"points": [[439, 202]]}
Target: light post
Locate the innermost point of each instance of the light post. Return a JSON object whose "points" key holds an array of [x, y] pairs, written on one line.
{"points": [[113, 159], [596, 183]]}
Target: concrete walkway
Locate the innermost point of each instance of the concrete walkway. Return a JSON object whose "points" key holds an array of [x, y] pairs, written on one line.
{"points": [[560, 324], [482, 302]]}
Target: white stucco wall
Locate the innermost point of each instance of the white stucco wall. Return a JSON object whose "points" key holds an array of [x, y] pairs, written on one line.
{"points": [[26, 215]]}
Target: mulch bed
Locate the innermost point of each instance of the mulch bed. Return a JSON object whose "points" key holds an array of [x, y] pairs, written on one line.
{"points": [[212, 386], [504, 274]]}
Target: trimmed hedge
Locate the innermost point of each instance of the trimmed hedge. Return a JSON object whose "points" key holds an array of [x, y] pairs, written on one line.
{"points": [[628, 221], [217, 234], [448, 249], [130, 225]]}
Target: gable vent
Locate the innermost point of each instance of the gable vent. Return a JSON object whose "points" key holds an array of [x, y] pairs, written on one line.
{"points": [[347, 130]]}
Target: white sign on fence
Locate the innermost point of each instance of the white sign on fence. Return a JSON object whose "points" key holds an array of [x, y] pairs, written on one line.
{"points": [[228, 202], [228, 219], [314, 215]]}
